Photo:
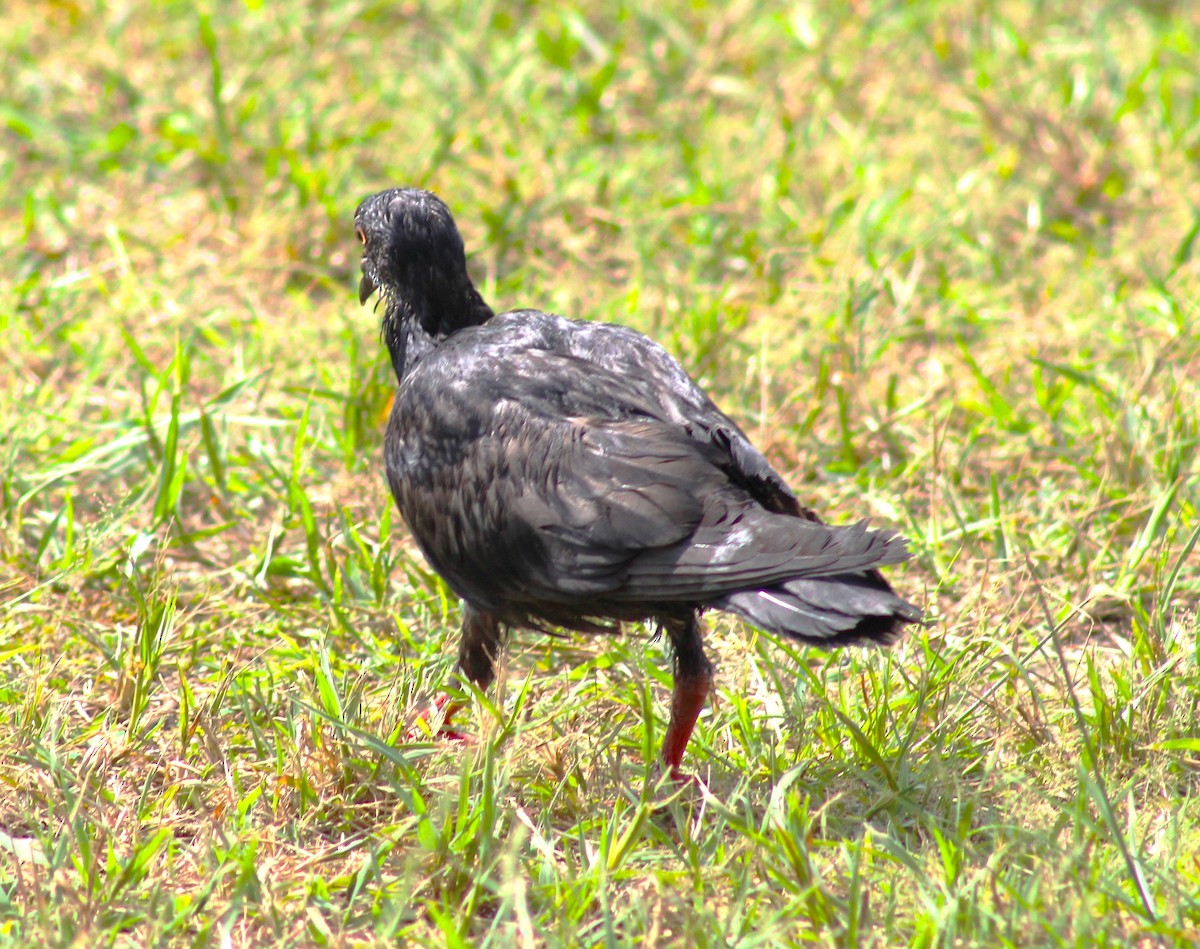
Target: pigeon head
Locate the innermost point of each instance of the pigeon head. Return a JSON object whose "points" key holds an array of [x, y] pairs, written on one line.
{"points": [[413, 255], [410, 244]]}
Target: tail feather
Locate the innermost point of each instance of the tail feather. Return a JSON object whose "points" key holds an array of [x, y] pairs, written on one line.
{"points": [[827, 611], [757, 550]]}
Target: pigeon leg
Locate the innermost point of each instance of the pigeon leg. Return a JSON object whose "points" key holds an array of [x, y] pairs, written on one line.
{"points": [[693, 680], [478, 650], [441, 708]]}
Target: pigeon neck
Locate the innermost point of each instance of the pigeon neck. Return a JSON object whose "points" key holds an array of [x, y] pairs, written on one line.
{"points": [[406, 343], [414, 323]]}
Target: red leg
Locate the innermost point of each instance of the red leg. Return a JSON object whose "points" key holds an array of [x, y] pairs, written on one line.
{"points": [[687, 701], [442, 707], [481, 640], [693, 680]]}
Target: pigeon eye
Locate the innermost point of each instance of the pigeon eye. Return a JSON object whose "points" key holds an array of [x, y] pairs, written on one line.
{"points": [[360, 234]]}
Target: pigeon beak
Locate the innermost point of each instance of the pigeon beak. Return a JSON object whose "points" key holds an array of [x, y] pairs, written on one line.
{"points": [[366, 286]]}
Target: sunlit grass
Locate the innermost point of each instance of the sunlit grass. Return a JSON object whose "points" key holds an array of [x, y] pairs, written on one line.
{"points": [[939, 259]]}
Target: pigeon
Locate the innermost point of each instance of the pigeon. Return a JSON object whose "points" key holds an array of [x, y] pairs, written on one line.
{"points": [[563, 474]]}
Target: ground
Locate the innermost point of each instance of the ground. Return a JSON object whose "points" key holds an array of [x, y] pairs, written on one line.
{"points": [[940, 259]]}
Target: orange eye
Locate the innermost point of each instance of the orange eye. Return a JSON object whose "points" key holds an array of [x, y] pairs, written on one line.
{"points": [[361, 235]]}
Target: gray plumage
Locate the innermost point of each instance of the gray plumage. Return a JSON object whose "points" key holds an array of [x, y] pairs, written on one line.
{"points": [[570, 474]]}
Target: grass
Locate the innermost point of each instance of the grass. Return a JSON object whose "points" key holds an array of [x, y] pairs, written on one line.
{"points": [[940, 259]]}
